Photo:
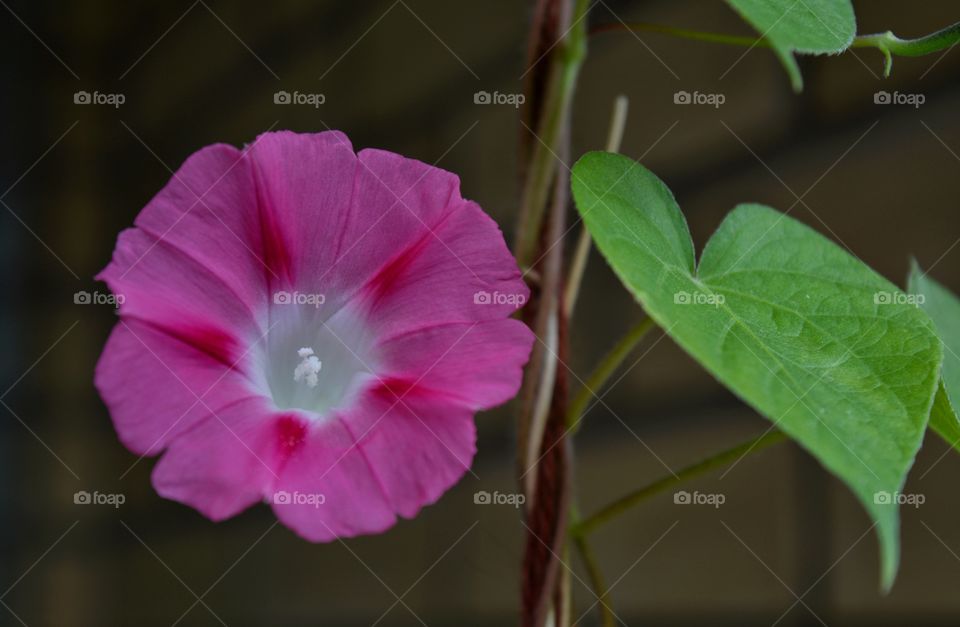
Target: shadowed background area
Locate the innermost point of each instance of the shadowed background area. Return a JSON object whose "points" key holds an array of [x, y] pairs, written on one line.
{"points": [[790, 544]]}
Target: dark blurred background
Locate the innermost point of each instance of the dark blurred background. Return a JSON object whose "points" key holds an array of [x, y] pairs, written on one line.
{"points": [[882, 180]]}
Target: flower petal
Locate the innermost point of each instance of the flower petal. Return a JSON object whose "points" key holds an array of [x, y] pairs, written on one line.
{"points": [[227, 462], [170, 287], [158, 385], [305, 183], [198, 247], [478, 365], [417, 444], [331, 465], [460, 271], [336, 213]]}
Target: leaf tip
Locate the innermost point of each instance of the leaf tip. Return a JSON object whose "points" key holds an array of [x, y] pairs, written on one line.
{"points": [[888, 534], [913, 273]]}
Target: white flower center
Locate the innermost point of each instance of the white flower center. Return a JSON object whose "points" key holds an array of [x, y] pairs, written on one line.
{"points": [[308, 368], [299, 337]]}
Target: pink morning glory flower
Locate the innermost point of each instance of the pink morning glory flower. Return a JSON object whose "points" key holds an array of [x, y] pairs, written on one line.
{"points": [[310, 327]]}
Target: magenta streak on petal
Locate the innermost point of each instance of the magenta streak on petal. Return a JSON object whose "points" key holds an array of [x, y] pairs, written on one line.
{"points": [[201, 267], [383, 281], [398, 390], [276, 252], [395, 390], [381, 284], [212, 342], [290, 432]]}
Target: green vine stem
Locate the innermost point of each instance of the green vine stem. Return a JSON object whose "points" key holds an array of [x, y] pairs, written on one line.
{"points": [[597, 581], [887, 43], [618, 122], [604, 370], [719, 460], [683, 33], [558, 99]]}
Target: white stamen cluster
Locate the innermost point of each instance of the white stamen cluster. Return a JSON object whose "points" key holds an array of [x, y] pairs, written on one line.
{"points": [[308, 368]]}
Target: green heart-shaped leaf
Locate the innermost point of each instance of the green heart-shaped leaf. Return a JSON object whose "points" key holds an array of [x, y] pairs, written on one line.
{"points": [[805, 26], [802, 331]]}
